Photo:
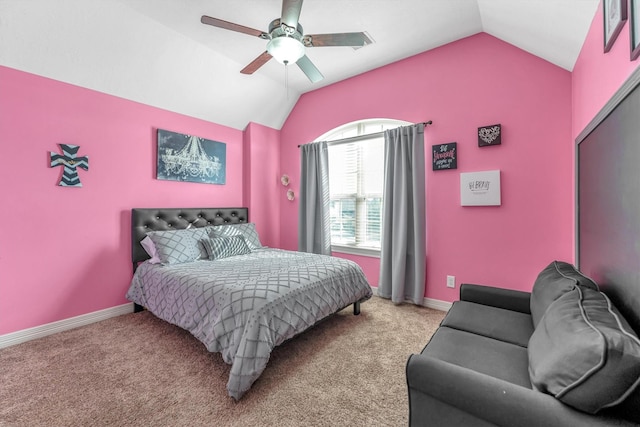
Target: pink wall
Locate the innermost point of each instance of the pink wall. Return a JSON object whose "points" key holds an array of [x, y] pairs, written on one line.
{"points": [[477, 81], [66, 251], [598, 75], [262, 191]]}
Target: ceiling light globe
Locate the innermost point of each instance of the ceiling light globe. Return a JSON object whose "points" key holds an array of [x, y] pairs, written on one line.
{"points": [[286, 50]]}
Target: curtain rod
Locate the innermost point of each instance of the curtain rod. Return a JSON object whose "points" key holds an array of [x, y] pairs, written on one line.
{"points": [[366, 136]]}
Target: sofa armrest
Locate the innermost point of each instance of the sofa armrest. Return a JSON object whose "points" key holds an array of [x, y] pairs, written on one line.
{"points": [[496, 297], [487, 398]]}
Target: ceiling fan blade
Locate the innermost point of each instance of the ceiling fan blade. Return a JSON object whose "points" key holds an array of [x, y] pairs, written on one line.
{"points": [[309, 69], [291, 12], [257, 63], [337, 39], [231, 26]]}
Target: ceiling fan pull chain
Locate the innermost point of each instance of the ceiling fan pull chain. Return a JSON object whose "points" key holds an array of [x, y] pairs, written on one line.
{"points": [[286, 78]]}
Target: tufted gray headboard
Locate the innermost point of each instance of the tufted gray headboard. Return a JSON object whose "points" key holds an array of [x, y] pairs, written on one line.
{"points": [[144, 220]]}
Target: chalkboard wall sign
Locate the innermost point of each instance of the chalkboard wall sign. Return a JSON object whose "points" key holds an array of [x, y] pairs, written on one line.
{"points": [[445, 156], [489, 135]]}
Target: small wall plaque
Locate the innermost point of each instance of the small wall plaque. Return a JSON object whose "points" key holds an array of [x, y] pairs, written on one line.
{"points": [[445, 156], [489, 135], [480, 188]]}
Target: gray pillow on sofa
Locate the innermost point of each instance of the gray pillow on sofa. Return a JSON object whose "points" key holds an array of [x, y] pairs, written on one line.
{"points": [[556, 279], [584, 352]]}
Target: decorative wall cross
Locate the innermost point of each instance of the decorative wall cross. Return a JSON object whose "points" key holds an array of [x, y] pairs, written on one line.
{"points": [[71, 163]]}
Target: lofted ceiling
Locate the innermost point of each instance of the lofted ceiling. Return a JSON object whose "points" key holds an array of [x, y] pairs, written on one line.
{"points": [[158, 53]]}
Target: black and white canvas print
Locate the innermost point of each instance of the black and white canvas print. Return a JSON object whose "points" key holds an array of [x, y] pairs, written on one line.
{"points": [[480, 188], [190, 158]]}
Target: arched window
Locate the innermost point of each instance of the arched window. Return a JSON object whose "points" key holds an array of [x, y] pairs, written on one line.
{"points": [[356, 174]]}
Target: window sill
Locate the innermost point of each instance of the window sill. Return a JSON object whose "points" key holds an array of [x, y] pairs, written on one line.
{"points": [[373, 253]]}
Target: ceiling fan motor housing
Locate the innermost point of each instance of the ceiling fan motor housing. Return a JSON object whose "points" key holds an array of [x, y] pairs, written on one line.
{"points": [[276, 29]]}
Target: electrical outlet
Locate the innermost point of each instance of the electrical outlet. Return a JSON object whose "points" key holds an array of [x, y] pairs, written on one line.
{"points": [[451, 281]]}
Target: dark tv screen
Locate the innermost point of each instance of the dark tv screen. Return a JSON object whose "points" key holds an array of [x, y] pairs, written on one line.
{"points": [[609, 206]]}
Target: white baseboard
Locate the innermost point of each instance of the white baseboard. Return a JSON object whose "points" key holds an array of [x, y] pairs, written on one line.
{"points": [[436, 304], [63, 325]]}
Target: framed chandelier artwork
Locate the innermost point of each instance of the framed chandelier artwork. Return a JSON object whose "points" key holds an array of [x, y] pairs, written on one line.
{"points": [[190, 158]]}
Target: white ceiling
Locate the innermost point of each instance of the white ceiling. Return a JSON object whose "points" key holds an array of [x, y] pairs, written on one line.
{"points": [[158, 53]]}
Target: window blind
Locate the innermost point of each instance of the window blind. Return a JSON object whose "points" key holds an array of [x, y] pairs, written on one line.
{"points": [[356, 174]]}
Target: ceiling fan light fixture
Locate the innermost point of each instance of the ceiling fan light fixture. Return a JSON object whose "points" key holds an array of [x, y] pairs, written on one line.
{"points": [[286, 41], [286, 50]]}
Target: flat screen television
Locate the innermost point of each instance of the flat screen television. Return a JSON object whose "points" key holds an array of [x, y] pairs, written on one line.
{"points": [[608, 204]]}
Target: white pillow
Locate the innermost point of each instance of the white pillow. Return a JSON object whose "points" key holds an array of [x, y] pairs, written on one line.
{"points": [[150, 249], [179, 246]]}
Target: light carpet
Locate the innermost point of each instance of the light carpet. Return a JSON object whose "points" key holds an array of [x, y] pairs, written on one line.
{"points": [[138, 370]]}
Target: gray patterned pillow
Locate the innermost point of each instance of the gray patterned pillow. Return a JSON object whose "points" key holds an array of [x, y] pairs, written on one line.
{"points": [[179, 246], [224, 247], [247, 230]]}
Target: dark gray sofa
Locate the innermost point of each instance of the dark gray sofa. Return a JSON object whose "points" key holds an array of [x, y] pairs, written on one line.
{"points": [[552, 357]]}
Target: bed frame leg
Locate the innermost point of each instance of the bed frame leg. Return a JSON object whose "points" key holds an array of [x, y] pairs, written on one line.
{"points": [[356, 308], [137, 308]]}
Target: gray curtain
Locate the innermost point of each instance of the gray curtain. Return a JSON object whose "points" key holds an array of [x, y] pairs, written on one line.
{"points": [[403, 242], [314, 232]]}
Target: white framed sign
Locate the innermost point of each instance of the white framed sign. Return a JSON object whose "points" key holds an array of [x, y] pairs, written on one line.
{"points": [[480, 188]]}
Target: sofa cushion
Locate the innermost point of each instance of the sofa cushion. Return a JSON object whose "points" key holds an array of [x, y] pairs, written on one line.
{"points": [[492, 322], [481, 354], [556, 279], [584, 352]]}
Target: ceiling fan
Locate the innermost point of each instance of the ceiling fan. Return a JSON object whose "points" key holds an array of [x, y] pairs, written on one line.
{"points": [[287, 41]]}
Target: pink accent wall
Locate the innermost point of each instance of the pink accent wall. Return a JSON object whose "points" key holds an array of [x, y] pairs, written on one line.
{"points": [[66, 251], [473, 82], [598, 75], [262, 191]]}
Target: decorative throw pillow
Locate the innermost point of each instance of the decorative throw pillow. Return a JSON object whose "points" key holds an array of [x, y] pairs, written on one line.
{"points": [[555, 280], [224, 247], [179, 246], [150, 249], [584, 352], [248, 230]]}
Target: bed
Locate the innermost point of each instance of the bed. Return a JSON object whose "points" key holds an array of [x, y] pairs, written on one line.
{"points": [[242, 305]]}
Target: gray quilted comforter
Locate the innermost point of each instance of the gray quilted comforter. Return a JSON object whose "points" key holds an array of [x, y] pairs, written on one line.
{"points": [[244, 306]]}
